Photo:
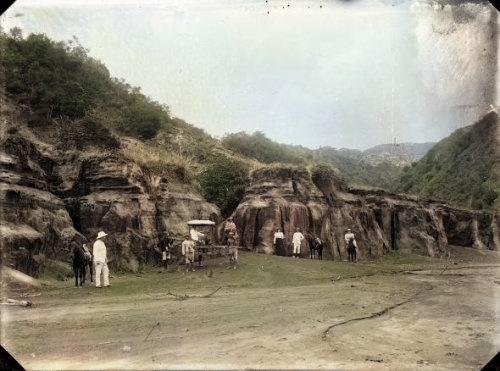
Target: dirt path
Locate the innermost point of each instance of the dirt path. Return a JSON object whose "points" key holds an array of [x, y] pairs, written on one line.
{"points": [[428, 319]]}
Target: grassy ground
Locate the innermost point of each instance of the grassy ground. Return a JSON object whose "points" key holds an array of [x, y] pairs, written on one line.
{"points": [[269, 312], [254, 271]]}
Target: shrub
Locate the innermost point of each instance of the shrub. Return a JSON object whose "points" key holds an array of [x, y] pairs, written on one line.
{"points": [[223, 182]]}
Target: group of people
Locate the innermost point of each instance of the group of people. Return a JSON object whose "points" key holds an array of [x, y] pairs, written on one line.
{"points": [[97, 261], [194, 242], [315, 244]]}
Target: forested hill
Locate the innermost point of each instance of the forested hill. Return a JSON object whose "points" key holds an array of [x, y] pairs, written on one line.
{"points": [[349, 164], [460, 169]]}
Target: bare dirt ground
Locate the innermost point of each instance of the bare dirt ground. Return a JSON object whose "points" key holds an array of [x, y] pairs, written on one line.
{"points": [[402, 312]]}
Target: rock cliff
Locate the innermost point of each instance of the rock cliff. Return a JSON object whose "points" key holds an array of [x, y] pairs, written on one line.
{"points": [[289, 198], [53, 196]]}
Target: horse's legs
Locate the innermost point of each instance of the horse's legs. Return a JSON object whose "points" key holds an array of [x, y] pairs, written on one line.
{"points": [[91, 270], [75, 271]]}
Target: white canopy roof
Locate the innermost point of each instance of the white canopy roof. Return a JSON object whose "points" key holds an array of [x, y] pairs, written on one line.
{"points": [[200, 222]]}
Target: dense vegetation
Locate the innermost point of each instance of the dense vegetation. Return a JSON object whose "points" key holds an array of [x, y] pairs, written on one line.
{"points": [[223, 182], [459, 169], [261, 148], [59, 80]]}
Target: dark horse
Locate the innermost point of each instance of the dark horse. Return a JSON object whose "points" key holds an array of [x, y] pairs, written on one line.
{"points": [[316, 245], [80, 262]]}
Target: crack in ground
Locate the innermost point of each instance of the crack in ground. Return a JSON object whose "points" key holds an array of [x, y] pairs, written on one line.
{"points": [[413, 297], [376, 314]]}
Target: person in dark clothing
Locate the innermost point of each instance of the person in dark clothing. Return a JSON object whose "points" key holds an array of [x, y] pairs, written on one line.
{"points": [[165, 245], [319, 247], [279, 243], [351, 250]]}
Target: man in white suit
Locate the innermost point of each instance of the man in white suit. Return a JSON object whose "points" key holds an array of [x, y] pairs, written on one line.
{"points": [[100, 261]]}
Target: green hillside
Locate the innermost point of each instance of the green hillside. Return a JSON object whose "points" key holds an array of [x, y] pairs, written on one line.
{"points": [[459, 169], [348, 163]]}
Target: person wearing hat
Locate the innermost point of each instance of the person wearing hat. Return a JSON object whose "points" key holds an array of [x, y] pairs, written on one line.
{"points": [[352, 245], [100, 260], [187, 250]]}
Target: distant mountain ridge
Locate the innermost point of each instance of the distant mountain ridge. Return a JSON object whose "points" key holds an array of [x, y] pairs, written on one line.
{"points": [[400, 154]]}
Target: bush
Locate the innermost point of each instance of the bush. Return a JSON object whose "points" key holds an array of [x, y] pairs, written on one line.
{"points": [[324, 173], [143, 119], [223, 182]]}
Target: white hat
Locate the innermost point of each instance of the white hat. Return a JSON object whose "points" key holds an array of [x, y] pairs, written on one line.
{"points": [[101, 234]]}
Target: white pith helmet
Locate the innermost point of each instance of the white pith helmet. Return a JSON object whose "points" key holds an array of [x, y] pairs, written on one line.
{"points": [[101, 234]]}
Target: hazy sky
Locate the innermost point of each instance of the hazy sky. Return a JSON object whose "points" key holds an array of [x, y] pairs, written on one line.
{"points": [[339, 73]]}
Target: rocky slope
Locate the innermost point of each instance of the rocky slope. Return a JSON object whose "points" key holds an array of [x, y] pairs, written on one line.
{"points": [[53, 197], [287, 198]]}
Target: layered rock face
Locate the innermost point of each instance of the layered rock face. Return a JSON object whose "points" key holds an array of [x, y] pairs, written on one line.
{"points": [[52, 199], [288, 199]]}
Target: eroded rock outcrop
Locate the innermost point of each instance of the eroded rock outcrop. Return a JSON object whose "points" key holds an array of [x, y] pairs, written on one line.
{"points": [[52, 198], [287, 198]]}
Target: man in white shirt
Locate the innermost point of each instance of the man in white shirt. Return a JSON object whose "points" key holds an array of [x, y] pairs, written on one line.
{"points": [[297, 241], [349, 236], [100, 260], [187, 250], [279, 243]]}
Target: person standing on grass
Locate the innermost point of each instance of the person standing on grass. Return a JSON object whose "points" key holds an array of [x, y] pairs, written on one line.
{"points": [[319, 247], [297, 241], [165, 245], [100, 260], [279, 243], [352, 245], [187, 250]]}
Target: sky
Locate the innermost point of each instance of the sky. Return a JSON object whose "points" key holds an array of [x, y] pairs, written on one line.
{"points": [[350, 74]]}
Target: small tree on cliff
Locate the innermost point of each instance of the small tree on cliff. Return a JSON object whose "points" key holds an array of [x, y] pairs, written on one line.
{"points": [[223, 182]]}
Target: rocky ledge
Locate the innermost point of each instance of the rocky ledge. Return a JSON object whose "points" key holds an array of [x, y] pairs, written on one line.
{"points": [[290, 198], [53, 198]]}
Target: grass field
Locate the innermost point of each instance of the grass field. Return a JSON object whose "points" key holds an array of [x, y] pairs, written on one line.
{"points": [[270, 312]]}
